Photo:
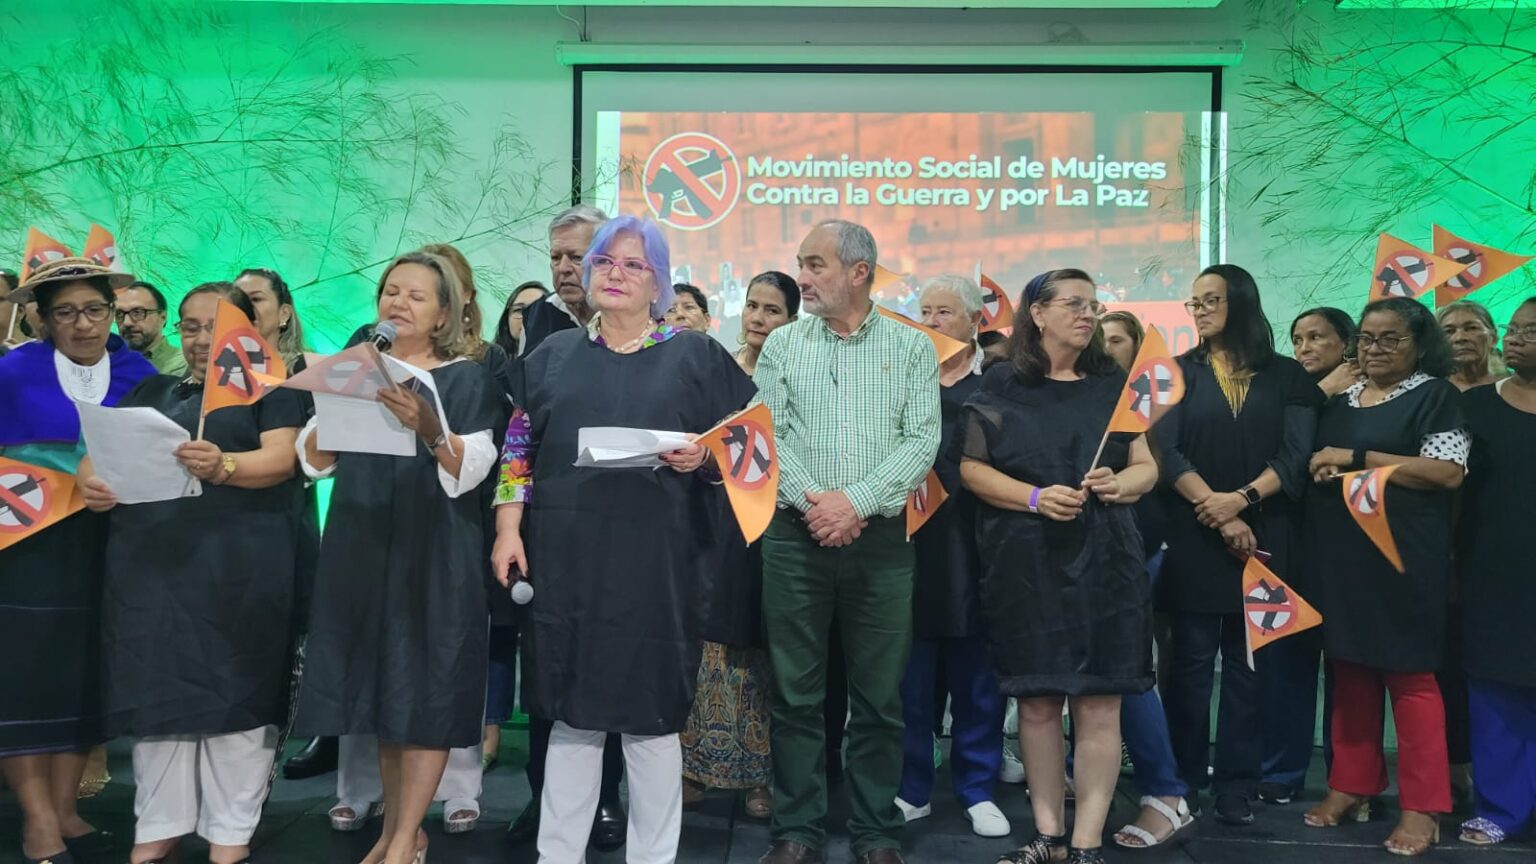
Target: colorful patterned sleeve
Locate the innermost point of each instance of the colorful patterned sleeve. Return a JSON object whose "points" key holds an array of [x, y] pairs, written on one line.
{"points": [[514, 475]]}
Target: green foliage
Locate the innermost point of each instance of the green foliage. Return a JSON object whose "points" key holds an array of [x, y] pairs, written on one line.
{"points": [[207, 146]]}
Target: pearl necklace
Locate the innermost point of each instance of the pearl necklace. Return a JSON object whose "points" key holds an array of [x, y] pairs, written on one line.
{"points": [[631, 346]]}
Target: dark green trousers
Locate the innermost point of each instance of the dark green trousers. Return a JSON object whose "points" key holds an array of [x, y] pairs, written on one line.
{"points": [[869, 586]]}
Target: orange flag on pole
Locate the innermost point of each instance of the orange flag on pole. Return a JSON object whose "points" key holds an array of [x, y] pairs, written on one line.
{"points": [[32, 498], [241, 365], [1365, 496], [1404, 270], [924, 501], [946, 346], [1271, 609], [749, 463], [100, 246], [1483, 265], [996, 311], [40, 250], [1155, 385]]}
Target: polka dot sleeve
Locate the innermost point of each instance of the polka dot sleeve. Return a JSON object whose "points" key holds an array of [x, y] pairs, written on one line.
{"points": [[1453, 446]]}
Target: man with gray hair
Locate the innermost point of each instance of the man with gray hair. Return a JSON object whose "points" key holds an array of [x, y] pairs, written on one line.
{"points": [[855, 402], [570, 233]]}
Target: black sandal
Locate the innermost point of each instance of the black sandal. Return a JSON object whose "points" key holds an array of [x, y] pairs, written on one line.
{"points": [[1085, 856], [1040, 850]]}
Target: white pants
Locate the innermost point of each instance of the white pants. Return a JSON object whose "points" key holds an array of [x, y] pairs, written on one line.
{"points": [[572, 776], [358, 784], [212, 784]]}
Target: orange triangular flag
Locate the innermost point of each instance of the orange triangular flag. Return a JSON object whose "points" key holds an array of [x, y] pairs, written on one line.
{"points": [[32, 498], [40, 250], [1365, 496], [1404, 270], [946, 346], [241, 365], [100, 246], [1484, 264], [996, 311], [1155, 385], [1271, 608], [749, 463], [924, 501]]}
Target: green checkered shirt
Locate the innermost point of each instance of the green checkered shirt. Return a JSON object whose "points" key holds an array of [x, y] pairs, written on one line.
{"points": [[860, 414]]}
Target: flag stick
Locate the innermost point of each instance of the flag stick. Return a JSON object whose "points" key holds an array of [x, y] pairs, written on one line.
{"points": [[201, 420], [1100, 451], [10, 329]]}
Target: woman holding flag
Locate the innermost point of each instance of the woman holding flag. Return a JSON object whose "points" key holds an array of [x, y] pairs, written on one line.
{"points": [[1063, 585], [193, 670], [51, 569], [1235, 454], [613, 553], [1384, 585]]}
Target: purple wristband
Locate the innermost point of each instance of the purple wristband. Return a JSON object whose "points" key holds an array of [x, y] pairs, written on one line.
{"points": [[1034, 500]]}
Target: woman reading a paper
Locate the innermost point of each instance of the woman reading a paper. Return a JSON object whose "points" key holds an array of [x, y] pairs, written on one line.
{"points": [[50, 578], [193, 671], [397, 637], [613, 552]]}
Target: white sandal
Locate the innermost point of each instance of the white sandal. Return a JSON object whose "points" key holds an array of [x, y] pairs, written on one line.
{"points": [[1179, 819], [361, 813], [463, 824]]}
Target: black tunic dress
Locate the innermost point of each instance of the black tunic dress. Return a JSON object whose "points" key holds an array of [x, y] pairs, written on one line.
{"points": [[945, 601], [199, 590], [617, 554], [397, 639], [1067, 604], [1274, 429], [1373, 615], [1498, 581]]}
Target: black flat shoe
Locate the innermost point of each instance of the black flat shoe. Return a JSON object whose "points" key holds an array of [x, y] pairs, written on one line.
{"points": [[64, 857], [1234, 810], [609, 827], [317, 758], [525, 828], [96, 844]]}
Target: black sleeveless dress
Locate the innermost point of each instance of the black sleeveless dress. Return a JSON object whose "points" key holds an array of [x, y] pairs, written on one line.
{"points": [[1372, 615], [1067, 604]]}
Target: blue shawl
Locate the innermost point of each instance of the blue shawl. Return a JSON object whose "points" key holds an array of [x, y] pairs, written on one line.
{"points": [[33, 407]]}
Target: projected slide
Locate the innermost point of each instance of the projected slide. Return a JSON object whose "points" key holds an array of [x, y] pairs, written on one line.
{"points": [[1116, 193]]}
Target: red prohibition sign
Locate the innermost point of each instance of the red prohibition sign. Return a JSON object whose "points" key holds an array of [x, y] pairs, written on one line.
{"points": [[1261, 607], [749, 448], [1404, 275], [1364, 494], [692, 181], [1152, 384], [232, 355], [24, 499]]}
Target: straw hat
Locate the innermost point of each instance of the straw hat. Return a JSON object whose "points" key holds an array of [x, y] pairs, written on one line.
{"points": [[68, 270]]}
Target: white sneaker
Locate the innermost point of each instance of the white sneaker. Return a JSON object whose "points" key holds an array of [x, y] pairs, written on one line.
{"points": [[1013, 769], [987, 820], [911, 813]]}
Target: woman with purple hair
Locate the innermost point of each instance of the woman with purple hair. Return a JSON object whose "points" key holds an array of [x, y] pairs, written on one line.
{"points": [[613, 638]]}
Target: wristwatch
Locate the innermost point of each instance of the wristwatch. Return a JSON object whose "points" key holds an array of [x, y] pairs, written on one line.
{"points": [[1251, 494], [227, 462], [437, 442]]}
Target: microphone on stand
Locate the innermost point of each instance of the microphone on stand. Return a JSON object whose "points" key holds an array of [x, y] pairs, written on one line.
{"points": [[383, 336]]}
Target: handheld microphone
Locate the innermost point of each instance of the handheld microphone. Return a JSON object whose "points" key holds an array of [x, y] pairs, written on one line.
{"points": [[384, 335], [522, 592]]}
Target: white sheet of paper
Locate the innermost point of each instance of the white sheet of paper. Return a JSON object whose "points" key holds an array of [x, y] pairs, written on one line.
{"points": [[622, 447], [134, 451], [350, 425]]}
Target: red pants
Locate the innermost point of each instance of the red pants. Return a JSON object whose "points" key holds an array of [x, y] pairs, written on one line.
{"points": [[1360, 766]]}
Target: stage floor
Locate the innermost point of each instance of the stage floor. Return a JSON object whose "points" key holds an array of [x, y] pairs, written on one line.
{"points": [[295, 829]]}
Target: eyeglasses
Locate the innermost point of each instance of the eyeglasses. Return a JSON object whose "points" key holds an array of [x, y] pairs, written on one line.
{"points": [[1520, 334], [136, 315], [190, 329], [66, 315], [1387, 344], [1208, 304], [1078, 306], [636, 267]]}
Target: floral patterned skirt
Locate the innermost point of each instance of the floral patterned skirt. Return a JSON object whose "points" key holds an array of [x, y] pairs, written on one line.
{"points": [[725, 744]]}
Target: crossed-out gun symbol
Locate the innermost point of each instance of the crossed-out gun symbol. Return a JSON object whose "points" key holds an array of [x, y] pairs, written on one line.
{"points": [[670, 186]]}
